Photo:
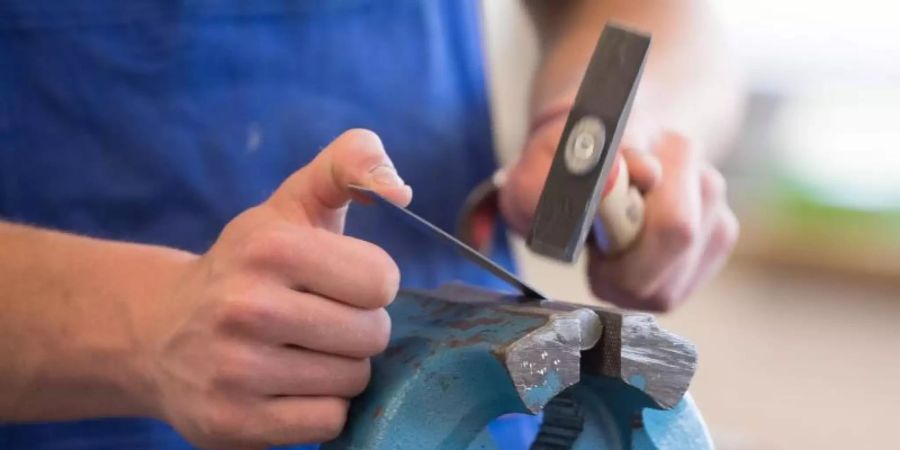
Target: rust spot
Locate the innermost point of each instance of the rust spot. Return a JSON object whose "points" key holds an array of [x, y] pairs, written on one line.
{"points": [[456, 343], [473, 340], [471, 323], [378, 412], [440, 310]]}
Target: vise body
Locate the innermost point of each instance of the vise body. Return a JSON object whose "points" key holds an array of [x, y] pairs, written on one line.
{"points": [[460, 356]]}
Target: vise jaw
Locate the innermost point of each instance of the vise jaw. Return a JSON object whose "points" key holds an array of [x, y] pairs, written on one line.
{"points": [[460, 356]]}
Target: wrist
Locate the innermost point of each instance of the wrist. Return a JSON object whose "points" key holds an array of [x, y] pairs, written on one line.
{"points": [[150, 312]]}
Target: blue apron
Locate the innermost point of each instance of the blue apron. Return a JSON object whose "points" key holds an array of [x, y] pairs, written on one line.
{"points": [[158, 121]]}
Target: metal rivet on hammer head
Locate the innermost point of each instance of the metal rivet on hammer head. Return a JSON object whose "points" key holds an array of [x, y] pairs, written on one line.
{"points": [[585, 145]]}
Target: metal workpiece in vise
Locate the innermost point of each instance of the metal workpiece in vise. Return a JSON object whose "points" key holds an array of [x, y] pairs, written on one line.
{"points": [[461, 356]]}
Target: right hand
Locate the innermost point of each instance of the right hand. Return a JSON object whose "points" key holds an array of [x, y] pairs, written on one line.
{"points": [[266, 337]]}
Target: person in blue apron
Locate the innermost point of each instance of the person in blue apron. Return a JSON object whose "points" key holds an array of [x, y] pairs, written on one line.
{"points": [[179, 265]]}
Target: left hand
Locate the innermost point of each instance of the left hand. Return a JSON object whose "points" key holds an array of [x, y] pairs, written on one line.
{"points": [[689, 229]]}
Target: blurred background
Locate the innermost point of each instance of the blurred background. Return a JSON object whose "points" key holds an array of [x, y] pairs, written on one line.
{"points": [[799, 338]]}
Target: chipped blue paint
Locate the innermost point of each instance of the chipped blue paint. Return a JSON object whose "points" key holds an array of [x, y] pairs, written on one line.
{"points": [[540, 395], [677, 428], [637, 381]]}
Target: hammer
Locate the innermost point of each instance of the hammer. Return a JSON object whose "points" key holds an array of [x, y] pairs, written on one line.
{"points": [[588, 188]]}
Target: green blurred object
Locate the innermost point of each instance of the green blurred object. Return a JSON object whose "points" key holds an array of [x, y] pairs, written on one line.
{"points": [[791, 222], [806, 209]]}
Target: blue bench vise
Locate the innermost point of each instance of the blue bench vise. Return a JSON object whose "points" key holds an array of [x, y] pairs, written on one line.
{"points": [[460, 356]]}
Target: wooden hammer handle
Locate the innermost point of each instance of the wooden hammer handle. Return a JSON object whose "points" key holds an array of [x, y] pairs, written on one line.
{"points": [[620, 215]]}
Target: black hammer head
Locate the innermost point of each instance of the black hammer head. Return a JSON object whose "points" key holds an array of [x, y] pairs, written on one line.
{"points": [[590, 140]]}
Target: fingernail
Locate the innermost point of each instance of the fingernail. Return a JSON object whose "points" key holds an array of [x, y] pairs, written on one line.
{"points": [[386, 175]]}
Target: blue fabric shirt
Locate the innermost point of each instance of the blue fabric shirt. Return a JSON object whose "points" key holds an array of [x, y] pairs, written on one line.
{"points": [[158, 121]]}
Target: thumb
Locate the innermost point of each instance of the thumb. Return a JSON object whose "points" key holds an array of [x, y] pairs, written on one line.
{"points": [[318, 193]]}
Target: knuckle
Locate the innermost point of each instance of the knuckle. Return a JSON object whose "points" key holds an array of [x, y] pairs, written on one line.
{"points": [[726, 232], [515, 200], [731, 228], [385, 278], [714, 185], [219, 425], [321, 420], [333, 420], [627, 293], [354, 377], [233, 371], [275, 245], [659, 301], [242, 311], [623, 294], [675, 145], [363, 375], [380, 335], [372, 333], [641, 291], [662, 302], [361, 135], [678, 234]]}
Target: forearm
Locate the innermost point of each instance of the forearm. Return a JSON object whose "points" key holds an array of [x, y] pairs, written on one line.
{"points": [[688, 85], [71, 313]]}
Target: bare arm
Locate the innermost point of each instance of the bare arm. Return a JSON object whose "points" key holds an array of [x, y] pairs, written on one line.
{"points": [[258, 342], [71, 312]]}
